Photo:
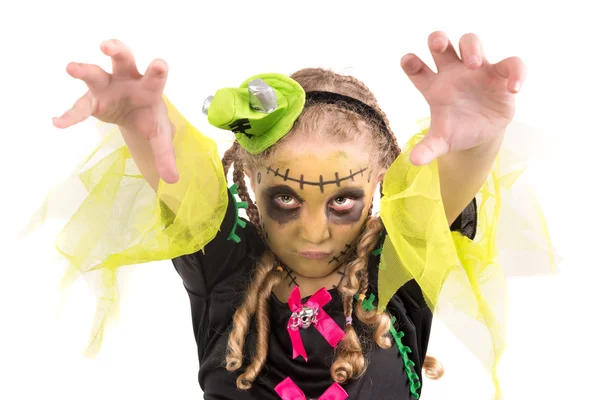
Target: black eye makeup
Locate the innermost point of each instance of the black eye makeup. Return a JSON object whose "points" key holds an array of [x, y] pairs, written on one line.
{"points": [[346, 206], [282, 203]]}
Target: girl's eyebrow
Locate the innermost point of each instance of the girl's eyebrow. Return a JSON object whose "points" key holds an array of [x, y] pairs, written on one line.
{"points": [[350, 192], [273, 191]]}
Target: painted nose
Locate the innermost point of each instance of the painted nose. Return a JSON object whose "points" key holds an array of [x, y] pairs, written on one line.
{"points": [[315, 228]]}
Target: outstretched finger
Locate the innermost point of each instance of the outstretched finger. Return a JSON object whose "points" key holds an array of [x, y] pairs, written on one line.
{"points": [[513, 69], [81, 110], [155, 77], [161, 142], [94, 77], [123, 63], [418, 72], [443, 52], [471, 50]]}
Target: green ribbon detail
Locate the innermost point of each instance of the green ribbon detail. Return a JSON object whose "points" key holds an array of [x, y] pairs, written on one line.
{"points": [[238, 221], [413, 378], [367, 303]]}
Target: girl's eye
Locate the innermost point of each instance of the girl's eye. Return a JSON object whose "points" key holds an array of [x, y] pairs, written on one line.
{"points": [[342, 204], [286, 202]]}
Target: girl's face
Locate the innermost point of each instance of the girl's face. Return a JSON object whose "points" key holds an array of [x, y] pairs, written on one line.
{"points": [[313, 198]]}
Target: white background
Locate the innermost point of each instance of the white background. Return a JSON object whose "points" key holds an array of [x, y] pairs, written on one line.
{"points": [[553, 352]]}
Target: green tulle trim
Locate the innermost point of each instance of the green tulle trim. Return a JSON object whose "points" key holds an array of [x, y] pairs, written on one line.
{"points": [[238, 221], [413, 378]]}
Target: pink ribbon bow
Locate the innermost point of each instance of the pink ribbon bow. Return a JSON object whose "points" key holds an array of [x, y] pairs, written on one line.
{"points": [[288, 390], [311, 313]]}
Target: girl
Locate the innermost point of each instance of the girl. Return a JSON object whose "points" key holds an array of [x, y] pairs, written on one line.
{"points": [[314, 296]]}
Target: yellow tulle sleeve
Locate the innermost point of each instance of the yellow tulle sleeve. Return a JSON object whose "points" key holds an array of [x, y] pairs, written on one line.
{"points": [[462, 279], [123, 221]]}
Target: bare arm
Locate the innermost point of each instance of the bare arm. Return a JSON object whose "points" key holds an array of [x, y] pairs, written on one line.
{"points": [[462, 174], [143, 156]]}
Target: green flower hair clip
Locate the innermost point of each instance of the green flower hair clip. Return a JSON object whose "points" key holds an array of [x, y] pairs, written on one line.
{"points": [[260, 112]]}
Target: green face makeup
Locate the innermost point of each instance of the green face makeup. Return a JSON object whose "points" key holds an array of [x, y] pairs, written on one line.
{"points": [[313, 203]]}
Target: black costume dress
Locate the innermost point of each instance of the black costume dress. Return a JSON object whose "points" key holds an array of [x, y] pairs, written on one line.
{"points": [[216, 280]]}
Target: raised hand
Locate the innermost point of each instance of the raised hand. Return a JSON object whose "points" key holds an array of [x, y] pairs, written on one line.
{"points": [[128, 99], [471, 101]]}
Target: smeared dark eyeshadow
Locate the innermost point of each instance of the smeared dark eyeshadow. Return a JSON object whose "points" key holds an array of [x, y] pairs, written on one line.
{"points": [[353, 193], [273, 211], [352, 215], [348, 217]]}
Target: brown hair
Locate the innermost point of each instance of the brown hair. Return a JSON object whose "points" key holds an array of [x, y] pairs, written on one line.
{"points": [[340, 124]]}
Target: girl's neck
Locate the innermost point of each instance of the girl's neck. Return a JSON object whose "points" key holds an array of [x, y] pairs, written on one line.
{"points": [[307, 285]]}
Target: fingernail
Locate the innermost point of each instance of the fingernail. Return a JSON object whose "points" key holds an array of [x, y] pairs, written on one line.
{"points": [[516, 86], [409, 63], [439, 44], [473, 60]]}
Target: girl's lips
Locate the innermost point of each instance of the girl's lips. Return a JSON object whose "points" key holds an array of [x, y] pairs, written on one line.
{"points": [[314, 255]]}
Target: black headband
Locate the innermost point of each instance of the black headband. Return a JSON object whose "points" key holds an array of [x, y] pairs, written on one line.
{"points": [[349, 103]]}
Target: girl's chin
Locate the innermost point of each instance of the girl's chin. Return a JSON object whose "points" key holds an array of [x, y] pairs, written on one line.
{"points": [[313, 270]]}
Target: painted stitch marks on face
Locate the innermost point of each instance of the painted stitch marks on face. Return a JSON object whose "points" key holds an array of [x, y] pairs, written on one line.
{"points": [[321, 183], [264, 231], [341, 255], [341, 271], [340, 259], [289, 276]]}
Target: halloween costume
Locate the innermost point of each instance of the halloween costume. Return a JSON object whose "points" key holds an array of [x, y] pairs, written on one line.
{"points": [[420, 265]]}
